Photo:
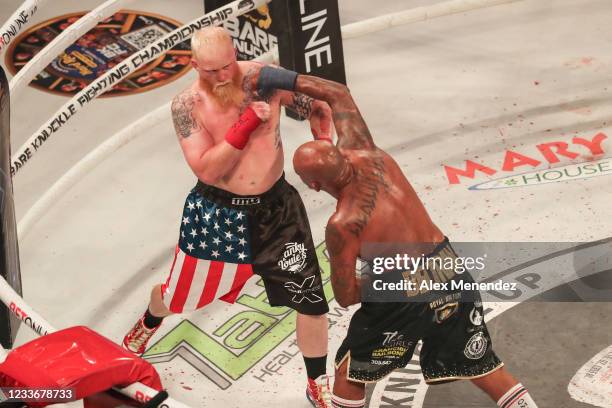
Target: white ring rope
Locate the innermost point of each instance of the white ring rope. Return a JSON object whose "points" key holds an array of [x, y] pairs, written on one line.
{"points": [[416, 14], [23, 311], [3, 354], [18, 21], [26, 314], [61, 42], [122, 70], [372, 25]]}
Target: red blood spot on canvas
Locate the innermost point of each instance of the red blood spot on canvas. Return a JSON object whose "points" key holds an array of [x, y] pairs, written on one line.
{"points": [[587, 60], [583, 111]]}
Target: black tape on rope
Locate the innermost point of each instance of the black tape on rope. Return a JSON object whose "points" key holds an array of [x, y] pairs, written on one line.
{"points": [[156, 400], [9, 251]]}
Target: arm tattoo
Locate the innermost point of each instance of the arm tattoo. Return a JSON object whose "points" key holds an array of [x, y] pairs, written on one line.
{"points": [[353, 133], [183, 106], [334, 241], [369, 185], [302, 105], [247, 86], [350, 126]]}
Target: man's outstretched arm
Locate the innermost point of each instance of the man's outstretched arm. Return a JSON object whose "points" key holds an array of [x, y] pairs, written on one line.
{"points": [[353, 133], [318, 113]]}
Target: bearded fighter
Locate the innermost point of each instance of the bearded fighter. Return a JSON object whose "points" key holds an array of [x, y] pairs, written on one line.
{"points": [[242, 217], [376, 208]]}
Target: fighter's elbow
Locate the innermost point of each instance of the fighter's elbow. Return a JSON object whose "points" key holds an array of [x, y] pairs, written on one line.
{"points": [[345, 298], [208, 177], [343, 301], [207, 169], [340, 91], [340, 97]]}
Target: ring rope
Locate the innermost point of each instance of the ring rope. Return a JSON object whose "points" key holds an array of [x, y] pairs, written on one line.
{"points": [[60, 43], [424, 13], [18, 21], [380, 23]]}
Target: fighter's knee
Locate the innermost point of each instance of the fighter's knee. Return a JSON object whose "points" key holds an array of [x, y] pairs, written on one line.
{"points": [[312, 316], [346, 392], [340, 372], [156, 291]]}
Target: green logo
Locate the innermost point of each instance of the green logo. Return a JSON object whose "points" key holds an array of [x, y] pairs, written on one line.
{"points": [[575, 171], [234, 347]]}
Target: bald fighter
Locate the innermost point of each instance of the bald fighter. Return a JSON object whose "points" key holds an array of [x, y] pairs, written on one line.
{"points": [[242, 217], [378, 206]]}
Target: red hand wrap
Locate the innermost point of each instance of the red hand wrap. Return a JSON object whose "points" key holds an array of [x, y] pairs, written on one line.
{"points": [[238, 135]]}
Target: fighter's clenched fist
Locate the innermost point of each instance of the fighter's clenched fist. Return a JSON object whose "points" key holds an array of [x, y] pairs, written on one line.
{"points": [[261, 109]]}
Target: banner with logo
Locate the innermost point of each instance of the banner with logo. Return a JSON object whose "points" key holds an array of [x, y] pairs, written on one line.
{"points": [[9, 251], [257, 32], [98, 51], [307, 33]]}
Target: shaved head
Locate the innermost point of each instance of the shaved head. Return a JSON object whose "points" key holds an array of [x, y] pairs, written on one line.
{"points": [[208, 41], [320, 165]]}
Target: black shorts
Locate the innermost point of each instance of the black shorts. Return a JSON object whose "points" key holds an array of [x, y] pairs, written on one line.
{"points": [[456, 343], [225, 238]]}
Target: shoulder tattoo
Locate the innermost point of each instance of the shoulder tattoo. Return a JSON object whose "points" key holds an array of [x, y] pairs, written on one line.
{"points": [[183, 116], [249, 90]]}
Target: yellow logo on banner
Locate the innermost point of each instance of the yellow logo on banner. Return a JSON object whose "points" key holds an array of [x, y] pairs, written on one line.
{"points": [[261, 17]]}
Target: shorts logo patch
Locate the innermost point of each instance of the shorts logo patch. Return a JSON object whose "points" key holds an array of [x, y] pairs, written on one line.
{"points": [[394, 339], [294, 258], [476, 346], [246, 201], [304, 291], [444, 312], [476, 317]]}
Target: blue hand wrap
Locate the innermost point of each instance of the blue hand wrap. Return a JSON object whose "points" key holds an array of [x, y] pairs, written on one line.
{"points": [[271, 78]]}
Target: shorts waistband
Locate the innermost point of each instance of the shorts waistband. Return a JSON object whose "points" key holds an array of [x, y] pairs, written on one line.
{"points": [[237, 200]]}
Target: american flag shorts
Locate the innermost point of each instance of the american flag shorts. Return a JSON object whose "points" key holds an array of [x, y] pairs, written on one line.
{"points": [[226, 238]]}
